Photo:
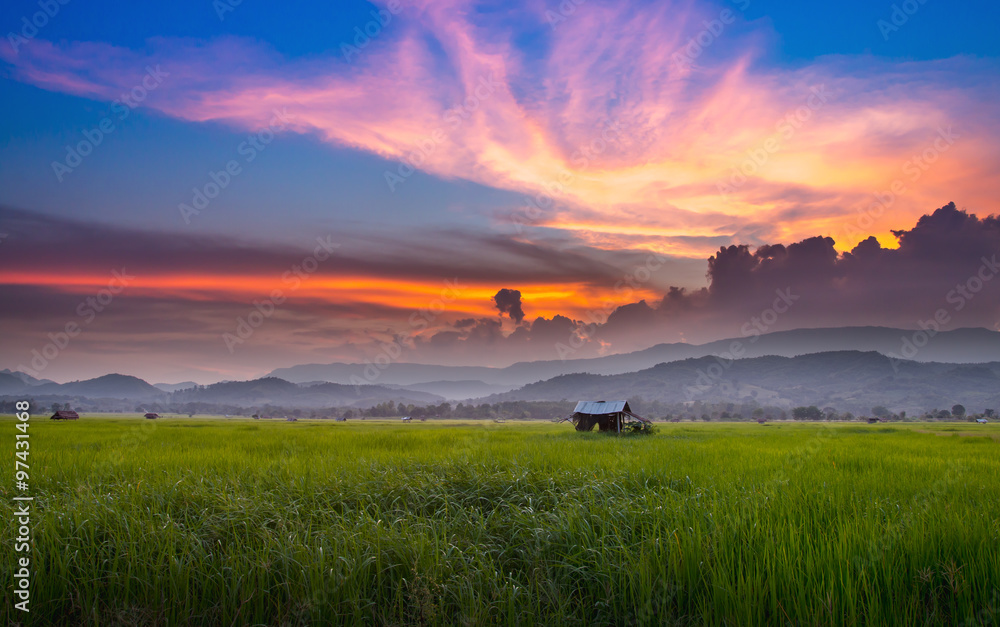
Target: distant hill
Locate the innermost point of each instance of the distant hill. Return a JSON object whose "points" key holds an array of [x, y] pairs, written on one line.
{"points": [[957, 346], [456, 390], [11, 384], [275, 391], [174, 387], [848, 380], [108, 386], [26, 378]]}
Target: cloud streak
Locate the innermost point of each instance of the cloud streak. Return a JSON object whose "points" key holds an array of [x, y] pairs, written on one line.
{"points": [[619, 141]]}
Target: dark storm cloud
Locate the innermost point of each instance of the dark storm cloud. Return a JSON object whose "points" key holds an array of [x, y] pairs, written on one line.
{"points": [[946, 262], [509, 302], [80, 247]]}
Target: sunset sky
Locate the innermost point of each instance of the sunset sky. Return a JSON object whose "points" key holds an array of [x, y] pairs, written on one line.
{"points": [[171, 174]]}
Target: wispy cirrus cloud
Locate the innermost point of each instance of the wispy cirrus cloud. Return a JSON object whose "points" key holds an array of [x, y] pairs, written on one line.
{"points": [[509, 101]]}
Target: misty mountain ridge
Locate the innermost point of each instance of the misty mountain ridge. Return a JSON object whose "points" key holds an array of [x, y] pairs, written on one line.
{"points": [[792, 371], [852, 381], [966, 345]]}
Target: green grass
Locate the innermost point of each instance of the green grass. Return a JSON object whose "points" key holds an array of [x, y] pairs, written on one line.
{"points": [[243, 522]]}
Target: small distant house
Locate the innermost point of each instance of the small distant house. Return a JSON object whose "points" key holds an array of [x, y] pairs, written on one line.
{"points": [[605, 415], [762, 421], [981, 421], [151, 416], [65, 415], [872, 421], [291, 419], [406, 419]]}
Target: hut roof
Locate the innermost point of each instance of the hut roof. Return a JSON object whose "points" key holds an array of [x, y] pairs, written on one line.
{"points": [[65, 415], [152, 415], [598, 408]]}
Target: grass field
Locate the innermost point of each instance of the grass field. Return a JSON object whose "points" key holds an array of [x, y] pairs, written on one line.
{"points": [[242, 522]]}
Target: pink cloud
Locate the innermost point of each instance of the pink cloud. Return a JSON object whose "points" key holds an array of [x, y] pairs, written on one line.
{"points": [[627, 141]]}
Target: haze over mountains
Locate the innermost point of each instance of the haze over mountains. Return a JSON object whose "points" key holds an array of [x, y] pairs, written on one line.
{"points": [[852, 369], [975, 345]]}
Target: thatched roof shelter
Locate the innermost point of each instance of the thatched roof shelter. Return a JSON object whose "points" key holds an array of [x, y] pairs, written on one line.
{"points": [[152, 416], [605, 415], [65, 415]]}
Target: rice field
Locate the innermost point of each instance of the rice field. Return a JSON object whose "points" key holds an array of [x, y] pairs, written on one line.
{"points": [[242, 522]]}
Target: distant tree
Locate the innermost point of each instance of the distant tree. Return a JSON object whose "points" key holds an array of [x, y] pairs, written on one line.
{"points": [[348, 414], [807, 413], [990, 413], [880, 411], [56, 407], [902, 415], [958, 411]]}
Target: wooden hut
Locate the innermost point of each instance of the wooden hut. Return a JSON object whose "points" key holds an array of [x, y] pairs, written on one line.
{"points": [[65, 415], [151, 416], [605, 415]]}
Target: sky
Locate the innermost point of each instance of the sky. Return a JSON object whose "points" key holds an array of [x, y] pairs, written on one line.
{"points": [[211, 190]]}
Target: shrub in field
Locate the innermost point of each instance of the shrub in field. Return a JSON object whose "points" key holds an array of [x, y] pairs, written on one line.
{"points": [[638, 428]]}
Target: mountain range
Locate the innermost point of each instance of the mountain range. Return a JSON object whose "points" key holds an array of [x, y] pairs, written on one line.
{"points": [[971, 345], [803, 367]]}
